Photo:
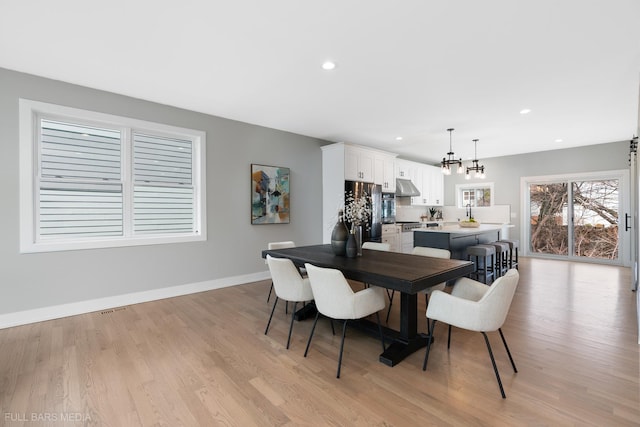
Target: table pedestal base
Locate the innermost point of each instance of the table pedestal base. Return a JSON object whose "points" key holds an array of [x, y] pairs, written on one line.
{"points": [[400, 349], [308, 311]]}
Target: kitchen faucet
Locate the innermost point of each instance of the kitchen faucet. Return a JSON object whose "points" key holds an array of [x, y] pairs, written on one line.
{"points": [[469, 211]]}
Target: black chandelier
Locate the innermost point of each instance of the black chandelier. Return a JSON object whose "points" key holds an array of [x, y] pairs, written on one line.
{"points": [[446, 163], [478, 169]]}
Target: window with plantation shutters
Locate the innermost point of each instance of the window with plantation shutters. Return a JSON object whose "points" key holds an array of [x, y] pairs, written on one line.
{"points": [[163, 191], [80, 191], [91, 180]]}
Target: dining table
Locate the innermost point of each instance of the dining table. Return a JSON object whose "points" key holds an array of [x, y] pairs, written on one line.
{"points": [[404, 273]]}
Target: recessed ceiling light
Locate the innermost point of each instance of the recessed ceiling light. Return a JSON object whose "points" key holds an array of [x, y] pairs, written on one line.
{"points": [[525, 111], [558, 140], [328, 65], [398, 138]]}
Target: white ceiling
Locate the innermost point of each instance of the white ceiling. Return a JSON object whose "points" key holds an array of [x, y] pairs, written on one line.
{"points": [[410, 68]]}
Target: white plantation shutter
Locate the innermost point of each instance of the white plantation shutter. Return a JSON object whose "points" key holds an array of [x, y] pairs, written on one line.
{"points": [[76, 151], [77, 212], [163, 189], [80, 189]]}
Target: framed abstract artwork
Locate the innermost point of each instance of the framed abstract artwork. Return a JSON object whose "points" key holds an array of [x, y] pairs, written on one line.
{"points": [[270, 197]]}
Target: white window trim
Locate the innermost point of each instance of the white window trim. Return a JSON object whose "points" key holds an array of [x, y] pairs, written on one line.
{"points": [[28, 164], [460, 187]]}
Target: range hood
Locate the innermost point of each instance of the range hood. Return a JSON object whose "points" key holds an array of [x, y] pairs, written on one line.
{"points": [[404, 187]]}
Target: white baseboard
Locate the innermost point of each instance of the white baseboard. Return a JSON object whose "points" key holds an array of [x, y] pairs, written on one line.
{"points": [[57, 311]]}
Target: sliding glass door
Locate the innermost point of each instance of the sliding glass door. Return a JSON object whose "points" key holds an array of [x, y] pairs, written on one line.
{"points": [[576, 217]]}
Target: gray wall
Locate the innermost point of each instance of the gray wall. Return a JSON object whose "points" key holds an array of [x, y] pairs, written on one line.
{"points": [[29, 281], [505, 172]]}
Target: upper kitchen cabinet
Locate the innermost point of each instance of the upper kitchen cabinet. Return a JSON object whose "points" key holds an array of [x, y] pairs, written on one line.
{"points": [[432, 189], [384, 172], [427, 179], [358, 164], [416, 176], [403, 169], [436, 187]]}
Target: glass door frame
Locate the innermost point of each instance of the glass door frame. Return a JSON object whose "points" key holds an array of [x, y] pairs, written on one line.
{"points": [[624, 237]]}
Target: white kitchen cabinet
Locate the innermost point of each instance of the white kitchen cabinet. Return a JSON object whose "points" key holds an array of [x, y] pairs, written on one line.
{"points": [[432, 186], [436, 188], [358, 164], [384, 172], [403, 169], [417, 179], [390, 235]]}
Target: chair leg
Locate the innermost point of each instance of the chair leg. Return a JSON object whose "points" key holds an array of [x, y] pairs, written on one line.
{"points": [[426, 355], [495, 367], [306, 350], [270, 290], [508, 352], [333, 330], [426, 304], [449, 338], [344, 332], [270, 317], [380, 330], [293, 316], [390, 295]]}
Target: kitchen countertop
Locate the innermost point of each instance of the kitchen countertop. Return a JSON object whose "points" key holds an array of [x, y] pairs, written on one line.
{"points": [[456, 229]]}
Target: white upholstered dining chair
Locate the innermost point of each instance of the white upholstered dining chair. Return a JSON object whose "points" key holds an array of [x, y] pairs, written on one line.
{"points": [[278, 245], [376, 246], [476, 307], [289, 286], [335, 299]]}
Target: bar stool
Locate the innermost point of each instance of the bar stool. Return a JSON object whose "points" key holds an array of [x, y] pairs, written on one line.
{"points": [[483, 257], [513, 252], [503, 251]]}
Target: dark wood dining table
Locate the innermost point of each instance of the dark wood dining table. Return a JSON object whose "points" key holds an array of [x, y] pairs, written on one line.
{"points": [[405, 273]]}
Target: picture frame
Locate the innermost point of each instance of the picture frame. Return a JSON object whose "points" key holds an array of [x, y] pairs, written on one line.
{"points": [[270, 194]]}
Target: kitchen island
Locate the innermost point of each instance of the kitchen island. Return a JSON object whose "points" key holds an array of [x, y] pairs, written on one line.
{"points": [[456, 238]]}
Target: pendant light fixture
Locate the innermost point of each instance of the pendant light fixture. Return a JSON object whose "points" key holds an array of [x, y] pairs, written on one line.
{"points": [[478, 169], [447, 162]]}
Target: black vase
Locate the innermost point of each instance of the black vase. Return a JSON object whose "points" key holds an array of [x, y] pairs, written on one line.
{"points": [[352, 246], [339, 238]]}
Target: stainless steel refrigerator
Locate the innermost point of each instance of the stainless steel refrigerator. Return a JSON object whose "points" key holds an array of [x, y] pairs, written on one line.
{"points": [[372, 232]]}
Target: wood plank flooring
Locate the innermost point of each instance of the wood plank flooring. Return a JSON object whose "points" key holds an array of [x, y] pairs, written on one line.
{"points": [[203, 360]]}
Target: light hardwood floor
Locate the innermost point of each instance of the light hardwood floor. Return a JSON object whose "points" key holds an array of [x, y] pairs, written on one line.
{"points": [[203, 359]]}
